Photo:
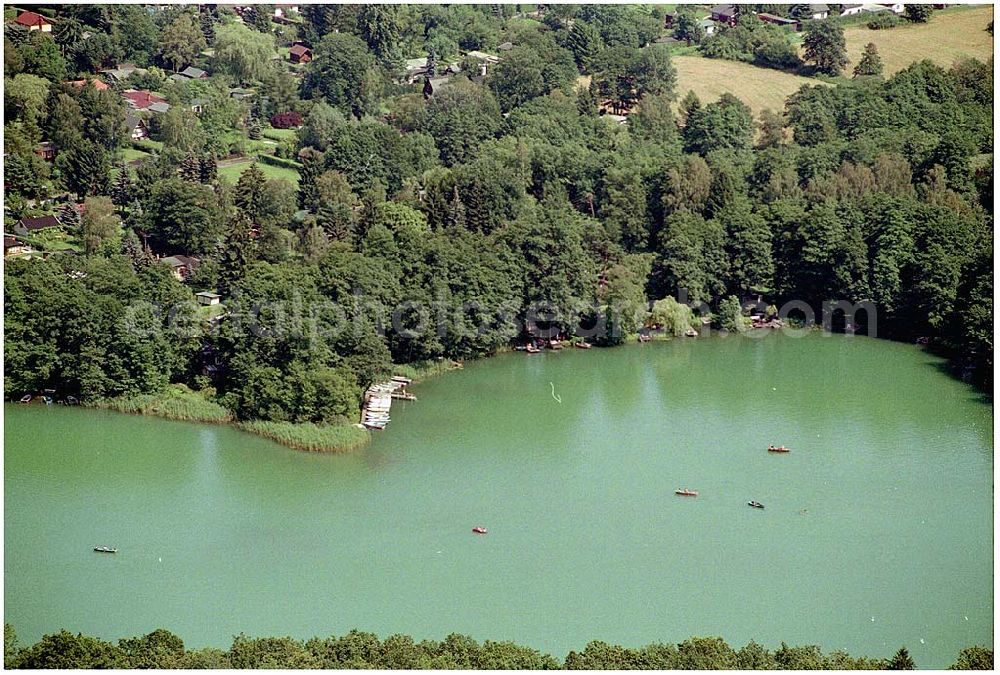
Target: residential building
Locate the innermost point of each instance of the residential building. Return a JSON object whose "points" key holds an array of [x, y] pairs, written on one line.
{"points": [[300, 54], [141, 99], [181, 265], [206, 298], [137, 128], [29, 226], [13, 246], [34, 21], [80, 84]]}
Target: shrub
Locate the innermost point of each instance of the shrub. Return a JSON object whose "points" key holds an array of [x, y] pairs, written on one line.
{"points": [[884, 20], [286, 120], [279, 161]]}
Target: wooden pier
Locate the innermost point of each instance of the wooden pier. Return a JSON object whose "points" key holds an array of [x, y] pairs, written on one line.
{"points": [[378, 401]]}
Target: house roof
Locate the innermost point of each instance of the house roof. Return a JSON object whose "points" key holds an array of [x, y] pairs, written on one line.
{"points": [[31, 19], [300, 50], [194, 73], [10, 241], [80, 84], [819, 8], [206, 294], [505, 46], [133, 121], [706, 23], [141, 99], [181, 261], [159, 107], [39, 223], [726, 10]]}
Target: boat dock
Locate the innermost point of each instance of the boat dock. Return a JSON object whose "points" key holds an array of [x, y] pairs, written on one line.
{"points": [[378, 401]]}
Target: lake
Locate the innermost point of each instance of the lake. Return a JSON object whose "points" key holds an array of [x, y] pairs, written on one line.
{"points": [[877, 531]]}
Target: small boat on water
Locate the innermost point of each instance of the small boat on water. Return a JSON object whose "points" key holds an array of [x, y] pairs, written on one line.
{"points": [[105, 549], [26, 398], [583, 345], [686, 493], [644, 338], [756, 505], [479, 529], [532, 349], [780, 448], [690, 332], [555, 344]]}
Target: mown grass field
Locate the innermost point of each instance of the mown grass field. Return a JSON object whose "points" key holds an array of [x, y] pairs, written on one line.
{"points": [[949, 36], [231, 172], [759, 88]]}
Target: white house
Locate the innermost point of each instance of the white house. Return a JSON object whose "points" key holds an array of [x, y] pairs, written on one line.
{"points": [[819, 12]]}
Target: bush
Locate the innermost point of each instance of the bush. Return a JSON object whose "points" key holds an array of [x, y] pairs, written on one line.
{"points": [[884, 20], [279, 161], [146, 145], [286, 120]]}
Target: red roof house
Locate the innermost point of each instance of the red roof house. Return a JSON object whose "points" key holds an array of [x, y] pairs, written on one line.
{"points": [[80, 84], [300, 54], [141, 99], [34, 21]]}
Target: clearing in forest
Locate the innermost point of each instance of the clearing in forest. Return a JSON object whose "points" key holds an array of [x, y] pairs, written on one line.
{"points": [[948, 37], [758, 87]]}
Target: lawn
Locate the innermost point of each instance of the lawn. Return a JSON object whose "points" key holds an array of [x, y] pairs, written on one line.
{"points": [[757, 87], [132, 154], [231, 172], [280, 134], [949, 36]]}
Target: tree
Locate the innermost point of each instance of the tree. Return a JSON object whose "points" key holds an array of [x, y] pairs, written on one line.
{"points": [[85, 169], [689, 26], [24, 98], [870, 64], [249, 193], [312, 167], [585, 43], [343, 72], [825, 46], [243, 54], [379, 27], [460, 118], [65, 124], [901, 661], [101, 226], [42, 58], [730, 316], [974, 658], [181, 217], [516, 79], [182, 40], [68, 651], [726, 123], [772, 129], [918, 13]]}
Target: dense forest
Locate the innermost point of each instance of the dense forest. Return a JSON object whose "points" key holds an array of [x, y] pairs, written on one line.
{"points": [[359, 650], [541, 159]]}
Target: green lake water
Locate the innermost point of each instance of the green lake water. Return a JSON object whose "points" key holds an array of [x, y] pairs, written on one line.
{"points": [[877, 532]]}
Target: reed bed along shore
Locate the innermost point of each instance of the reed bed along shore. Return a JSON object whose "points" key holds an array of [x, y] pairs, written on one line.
{"points": [[176, 402], [310, 437]]}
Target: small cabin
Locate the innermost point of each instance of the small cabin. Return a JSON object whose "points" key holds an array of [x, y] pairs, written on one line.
{"points": [[206, 298], [34, 21]]}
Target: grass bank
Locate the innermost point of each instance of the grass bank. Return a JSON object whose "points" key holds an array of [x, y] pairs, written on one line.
{"points": [[308, 436], [176, 402]]}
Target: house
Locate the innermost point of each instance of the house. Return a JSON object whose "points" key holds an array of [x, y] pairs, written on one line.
{"points": [[415, 69], [80, 84], [708, 25], [486, 61], [819, 12], [181, 265], [240, 94], [29, 226], [851, 10], [300, 54], [794, 24], [159, 108], [122, 71], [282, 11], [137, 128], [206, 298], [894, 7], [197, 105], [869, 8], [193, 73], [34, 21], [46, 150], [505, 46], [14, 246], [727, 14], [141, 99]]}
